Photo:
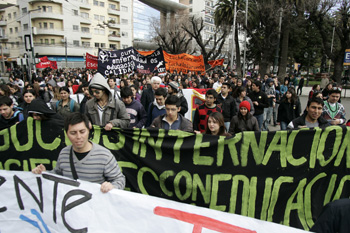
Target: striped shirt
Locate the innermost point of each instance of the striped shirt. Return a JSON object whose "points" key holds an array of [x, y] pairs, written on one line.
{"points": [[98, 166]]}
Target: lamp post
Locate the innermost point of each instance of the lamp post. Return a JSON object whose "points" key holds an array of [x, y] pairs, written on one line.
{"points": [[233, 33], [31, 40], [329, 66], [245, 36]]}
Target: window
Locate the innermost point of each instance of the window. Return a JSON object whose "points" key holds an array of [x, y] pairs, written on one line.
{"points": [[125, 8], [85, 44], [96, 30], [44, 8], [112, 46], [40, 25], [112, 20], [76, 42], [96, 17], [14, 14], [16, 29], [190, 9], [124, 34], [24, 10], [75, 12], [75, 28], [85, 29], [51, 26], [124, 21], [25, 27], [97, 45], [102, 4], [9, 16], [11, 30], [125, 46], [102, 18], [46, 41], [52, 41], [49, 9], [112, 6], [95, 3], [41, 41], [191, 1], [17, 44], [103, 45], [102, 31], [84, 15], [45, 25]]}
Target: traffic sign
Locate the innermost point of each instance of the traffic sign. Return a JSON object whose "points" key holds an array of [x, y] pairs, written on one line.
{"points": [[347, 57]]}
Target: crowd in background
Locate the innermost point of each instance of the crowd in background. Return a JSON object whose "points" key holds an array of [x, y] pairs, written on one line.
{"points": [[231, 105]]}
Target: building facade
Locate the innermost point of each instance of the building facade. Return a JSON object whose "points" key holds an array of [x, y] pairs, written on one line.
{"points": [[65, 30]]}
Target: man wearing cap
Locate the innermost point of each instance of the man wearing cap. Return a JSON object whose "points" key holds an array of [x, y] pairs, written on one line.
{"points": [[148, 95], [333, 111], [173, 89], [105, 110]]}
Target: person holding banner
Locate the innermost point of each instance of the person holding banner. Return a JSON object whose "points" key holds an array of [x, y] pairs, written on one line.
{"points": [[84, 159], [104, 109], [216, 125]]}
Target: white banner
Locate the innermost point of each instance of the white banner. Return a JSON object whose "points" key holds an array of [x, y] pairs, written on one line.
{"points": [[49, 203]]}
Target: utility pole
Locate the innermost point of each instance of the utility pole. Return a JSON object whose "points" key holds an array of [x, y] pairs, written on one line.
{"points": [[233, 33], [245, 37]]}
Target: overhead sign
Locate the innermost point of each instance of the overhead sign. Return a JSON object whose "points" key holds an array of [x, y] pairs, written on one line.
{"points": [[347, 57]]}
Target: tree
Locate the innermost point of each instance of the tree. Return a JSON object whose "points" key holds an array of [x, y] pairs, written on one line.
{"points": [[171, 37], [323, 16], [211, 47], [224, 15]]}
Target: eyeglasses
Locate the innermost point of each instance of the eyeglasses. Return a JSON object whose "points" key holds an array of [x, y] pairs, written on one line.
{"points": [[336, 88]]}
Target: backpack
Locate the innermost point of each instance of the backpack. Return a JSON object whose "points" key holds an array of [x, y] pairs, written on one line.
{"points": [[71, 105]]}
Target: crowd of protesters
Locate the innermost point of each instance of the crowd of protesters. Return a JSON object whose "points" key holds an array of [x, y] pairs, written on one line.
{"points": [[136, 100]]}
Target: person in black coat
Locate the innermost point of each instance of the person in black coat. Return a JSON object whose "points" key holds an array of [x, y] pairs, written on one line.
{"points": [[289, 109]]}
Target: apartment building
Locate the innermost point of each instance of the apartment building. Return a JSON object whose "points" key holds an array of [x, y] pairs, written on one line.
{"points": [[65, 29]]}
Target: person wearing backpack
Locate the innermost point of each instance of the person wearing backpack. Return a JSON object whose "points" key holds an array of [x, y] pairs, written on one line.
{"points": [[66, 105], [9, 115]]}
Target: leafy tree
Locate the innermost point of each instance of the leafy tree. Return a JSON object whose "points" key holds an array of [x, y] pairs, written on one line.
{"points": [[322, 14]]}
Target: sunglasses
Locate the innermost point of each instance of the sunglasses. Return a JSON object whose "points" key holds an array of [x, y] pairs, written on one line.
{"points": [[96, 92], [336, 88]]}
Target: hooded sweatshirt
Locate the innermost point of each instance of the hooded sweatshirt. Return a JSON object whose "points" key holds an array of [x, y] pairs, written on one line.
{"points": [[154, 111], [114, 112]]}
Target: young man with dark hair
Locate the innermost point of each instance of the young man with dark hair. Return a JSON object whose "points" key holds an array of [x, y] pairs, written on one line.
{"points": [[104, 109], [84, 159], [260, 101], [156, 108], [311, 117], [136, 111], [172, 119], [202, 112], [333, 111], [112, 83], [8, 114], [227, 103]]}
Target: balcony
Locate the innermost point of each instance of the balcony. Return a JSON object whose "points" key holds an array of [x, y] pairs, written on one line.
{"points": [[5, 50], [113, 25], [46, 15], [86, 35], [84, 20], [59, 50], [113, 12], [54, 32], [2, 38], [112, 37], [114, 0], [3, 23]]}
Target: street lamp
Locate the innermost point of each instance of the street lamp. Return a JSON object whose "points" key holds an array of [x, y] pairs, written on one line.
{"points": [[233, 32], [245, 36], [31, 39]]}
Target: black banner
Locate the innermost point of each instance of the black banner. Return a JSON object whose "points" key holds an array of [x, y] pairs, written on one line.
{"points": [[128, 60], [284, 177]]}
